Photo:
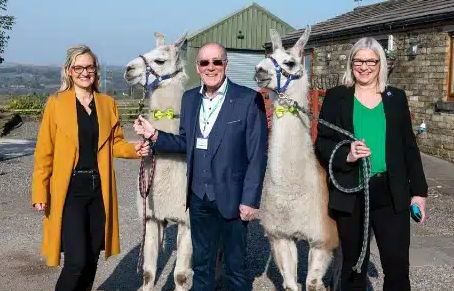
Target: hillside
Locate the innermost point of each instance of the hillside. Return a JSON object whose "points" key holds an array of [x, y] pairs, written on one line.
{"points": [[18, 79]]}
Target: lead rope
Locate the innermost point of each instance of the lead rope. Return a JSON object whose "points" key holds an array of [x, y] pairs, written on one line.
{"points": [[144, 189], [365, 173]]}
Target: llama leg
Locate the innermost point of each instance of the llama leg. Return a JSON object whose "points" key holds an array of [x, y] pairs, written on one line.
{"points": [[285, 255], [150, 253], [183, 272], [319, 261]]}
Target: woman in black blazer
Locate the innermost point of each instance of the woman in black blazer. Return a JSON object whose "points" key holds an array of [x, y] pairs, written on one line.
{"points": [[378, 115]]}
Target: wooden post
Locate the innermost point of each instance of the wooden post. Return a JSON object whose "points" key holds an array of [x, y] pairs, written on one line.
{"points": [[315, 105]]}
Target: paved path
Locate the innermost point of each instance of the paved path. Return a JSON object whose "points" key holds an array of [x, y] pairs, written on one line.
{"points": [[431, 253], [439, 173], [428, 248], [13, 148]]}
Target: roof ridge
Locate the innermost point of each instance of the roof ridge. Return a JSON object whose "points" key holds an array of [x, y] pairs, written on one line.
{"points": [[379, 13], [236, 12]]}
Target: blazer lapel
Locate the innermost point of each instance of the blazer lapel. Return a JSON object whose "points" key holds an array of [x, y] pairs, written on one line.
{"points": [[106, 119], [68, 113], [347, 109], [193, 114], [385, 97], [227, 109], [386, 103]]}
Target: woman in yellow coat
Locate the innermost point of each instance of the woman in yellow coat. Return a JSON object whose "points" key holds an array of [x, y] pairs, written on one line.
{"points": [[73, 178]]}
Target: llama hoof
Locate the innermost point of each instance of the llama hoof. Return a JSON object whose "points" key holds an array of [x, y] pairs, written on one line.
{"points": [[148, 280], [291, 288], [315, 285], [183, 281]]}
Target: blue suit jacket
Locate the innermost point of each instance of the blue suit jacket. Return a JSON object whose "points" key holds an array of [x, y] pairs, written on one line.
{"points": [[237, 146]]}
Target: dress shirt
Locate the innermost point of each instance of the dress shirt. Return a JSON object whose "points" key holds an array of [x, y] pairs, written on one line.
{"points": [[210, 108]]}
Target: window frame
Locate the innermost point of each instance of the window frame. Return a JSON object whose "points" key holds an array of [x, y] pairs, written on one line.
{"points": [[309, 53], [450, 90]]}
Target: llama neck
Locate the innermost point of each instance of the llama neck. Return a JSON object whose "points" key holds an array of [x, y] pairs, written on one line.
{"points": [[297, 91], [168, 96]]}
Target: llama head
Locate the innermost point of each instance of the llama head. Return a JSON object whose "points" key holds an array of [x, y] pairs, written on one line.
{"points": [[162, 60], [289, 60]]}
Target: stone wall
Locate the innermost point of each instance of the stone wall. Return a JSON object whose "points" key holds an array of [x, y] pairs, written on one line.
{"points": [[424, 77]]}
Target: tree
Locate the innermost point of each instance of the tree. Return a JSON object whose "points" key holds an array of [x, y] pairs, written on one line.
{"points": [[6, 23]]}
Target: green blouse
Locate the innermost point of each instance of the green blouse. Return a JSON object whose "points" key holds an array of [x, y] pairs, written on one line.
{"points": [[370, 125]]}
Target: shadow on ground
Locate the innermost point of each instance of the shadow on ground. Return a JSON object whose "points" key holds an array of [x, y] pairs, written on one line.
{"points": [[10, 148], [126, 278]]}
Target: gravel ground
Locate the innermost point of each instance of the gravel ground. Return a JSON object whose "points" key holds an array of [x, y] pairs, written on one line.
{"points": [[22, 269]]}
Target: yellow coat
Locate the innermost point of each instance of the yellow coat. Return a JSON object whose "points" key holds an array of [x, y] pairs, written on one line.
{"points": [[56, 156]]}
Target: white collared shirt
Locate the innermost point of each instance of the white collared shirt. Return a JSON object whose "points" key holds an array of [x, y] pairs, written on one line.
{"points": [[210, 108]]}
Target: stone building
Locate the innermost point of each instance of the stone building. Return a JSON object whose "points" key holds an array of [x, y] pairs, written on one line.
{"points": [[418, 36]]}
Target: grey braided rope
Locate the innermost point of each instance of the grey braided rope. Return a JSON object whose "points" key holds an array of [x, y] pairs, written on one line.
{"points": [[284, 100]]}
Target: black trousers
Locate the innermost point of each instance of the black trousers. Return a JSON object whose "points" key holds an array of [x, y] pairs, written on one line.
{"points": [[208, 228], [82, 233], [392, 233]]}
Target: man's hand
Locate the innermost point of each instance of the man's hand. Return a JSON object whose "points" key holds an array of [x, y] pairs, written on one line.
{"points": [[247, 213], [421, 202], [144, 128]]}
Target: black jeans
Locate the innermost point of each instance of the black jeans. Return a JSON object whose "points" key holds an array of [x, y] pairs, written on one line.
{"points": [[82, 233], [392, 233], [208, 227]]}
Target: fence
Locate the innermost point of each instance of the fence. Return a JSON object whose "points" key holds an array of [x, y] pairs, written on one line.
{"points": [[126, 112]]}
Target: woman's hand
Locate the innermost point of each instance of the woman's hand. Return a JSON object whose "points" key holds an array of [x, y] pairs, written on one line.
{"points": [[421, 202], [358, 150], [142, 148], [143, 127], [41, 207]]}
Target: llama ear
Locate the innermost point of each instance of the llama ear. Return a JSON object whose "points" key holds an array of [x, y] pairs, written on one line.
{"points": [[180, 42], [298, 48], [160, 39], [275, 39]]}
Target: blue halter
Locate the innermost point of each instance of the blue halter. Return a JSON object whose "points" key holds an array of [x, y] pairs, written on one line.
{"points": [[155, 84], [279, 72]]}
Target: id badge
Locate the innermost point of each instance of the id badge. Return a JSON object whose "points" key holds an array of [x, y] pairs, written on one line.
{"points": [[201, 143]]}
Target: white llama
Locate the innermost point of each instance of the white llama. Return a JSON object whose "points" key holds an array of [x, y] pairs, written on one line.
{"points": [[167, 199], [295, 199]]}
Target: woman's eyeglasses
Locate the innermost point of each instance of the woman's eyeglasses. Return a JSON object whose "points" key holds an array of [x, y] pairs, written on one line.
{"points": [[80, 69], [369, 63], [217, 63]]}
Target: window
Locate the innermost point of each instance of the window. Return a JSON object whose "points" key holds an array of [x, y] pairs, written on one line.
{"points": [[451, 70], [307, 59], [385, 44]]}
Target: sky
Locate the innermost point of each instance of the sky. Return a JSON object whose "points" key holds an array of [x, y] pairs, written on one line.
{"points": [[119, 30]]}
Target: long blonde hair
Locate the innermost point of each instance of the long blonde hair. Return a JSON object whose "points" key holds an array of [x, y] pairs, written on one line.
{"points": [[367, 43], [71, 54]]}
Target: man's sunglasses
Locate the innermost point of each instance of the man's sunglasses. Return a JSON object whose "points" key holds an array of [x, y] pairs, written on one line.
{"points": [[217, 63]]}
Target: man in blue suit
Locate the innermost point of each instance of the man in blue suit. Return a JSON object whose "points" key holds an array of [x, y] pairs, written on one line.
{"points": [[224, 135]]}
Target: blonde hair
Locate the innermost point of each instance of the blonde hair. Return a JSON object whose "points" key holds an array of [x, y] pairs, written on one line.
{"points": [[367, 43], [71, 54]]}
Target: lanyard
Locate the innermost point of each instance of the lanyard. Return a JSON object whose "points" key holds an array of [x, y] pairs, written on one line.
{"points": [[204, 115]]}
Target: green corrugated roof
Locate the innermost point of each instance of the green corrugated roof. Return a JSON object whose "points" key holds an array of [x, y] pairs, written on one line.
{"points": [[253, 21]]}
